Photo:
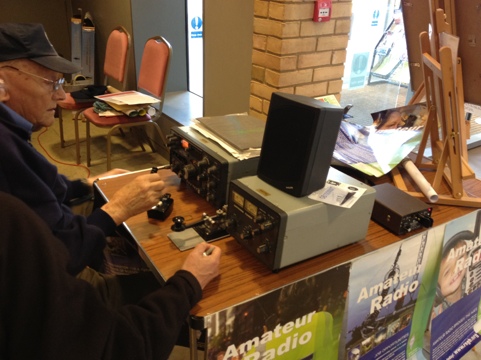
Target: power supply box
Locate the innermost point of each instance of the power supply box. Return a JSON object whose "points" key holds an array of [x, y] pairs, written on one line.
{"points": [[399, 212]]}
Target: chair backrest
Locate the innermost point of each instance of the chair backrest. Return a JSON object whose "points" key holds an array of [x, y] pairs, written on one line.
{"points": [[154, 67], [117, 56]]}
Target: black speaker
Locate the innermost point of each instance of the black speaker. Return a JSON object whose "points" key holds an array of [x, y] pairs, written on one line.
{"points": [[299, 139]]}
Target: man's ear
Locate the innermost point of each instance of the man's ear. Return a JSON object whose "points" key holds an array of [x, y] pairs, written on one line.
{"points": [[4, 96]]}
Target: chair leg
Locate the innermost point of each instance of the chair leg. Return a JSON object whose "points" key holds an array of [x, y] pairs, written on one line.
{"points": [[77, 137], [109, 149], [150, 144], [139, 138], [160, 132], [60, 125], [87, 135]]}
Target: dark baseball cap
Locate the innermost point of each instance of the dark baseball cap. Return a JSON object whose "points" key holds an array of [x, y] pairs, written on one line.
{"points": [[30, 41]]}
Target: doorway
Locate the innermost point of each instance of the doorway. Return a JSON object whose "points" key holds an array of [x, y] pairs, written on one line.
{"points": [[195, 47]]}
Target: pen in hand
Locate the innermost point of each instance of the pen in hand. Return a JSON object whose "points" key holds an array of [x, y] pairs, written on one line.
{"points": [[208, 251]]}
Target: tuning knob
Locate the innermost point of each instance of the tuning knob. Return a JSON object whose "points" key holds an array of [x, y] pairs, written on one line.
{"points": [[245, 234], [213, 169], [211, 184], [203, 163], [267, 225], [189, 171], [256, 231], [263, 249], [259, 219], [173, 141]]}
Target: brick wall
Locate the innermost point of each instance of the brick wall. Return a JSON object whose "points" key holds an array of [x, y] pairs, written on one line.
{"points": [[293, 54]]}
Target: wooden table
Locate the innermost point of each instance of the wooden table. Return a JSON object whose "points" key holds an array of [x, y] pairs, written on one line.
{"points": [[242, 276]]}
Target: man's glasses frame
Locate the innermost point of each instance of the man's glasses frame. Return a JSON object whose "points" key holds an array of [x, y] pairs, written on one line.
{"points": [[56, 85]]}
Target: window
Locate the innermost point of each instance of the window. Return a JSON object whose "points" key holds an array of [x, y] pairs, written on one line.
{"points": [[376, 75]]}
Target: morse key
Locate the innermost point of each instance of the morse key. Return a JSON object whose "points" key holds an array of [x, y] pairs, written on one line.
{"points": [[163, 209]]}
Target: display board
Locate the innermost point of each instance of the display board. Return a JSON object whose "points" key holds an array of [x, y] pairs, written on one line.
{"points": [[417, 18], [415, 299]]}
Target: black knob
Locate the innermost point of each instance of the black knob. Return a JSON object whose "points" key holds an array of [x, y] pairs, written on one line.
{"points": [[230, 223], [245, 234], [211, 170], [210, 197], [203, 163], [266, 225], [263, 249], [173, 141], [259, 219], [178, 224], [212, 184], [189, 171], [256, 232]]}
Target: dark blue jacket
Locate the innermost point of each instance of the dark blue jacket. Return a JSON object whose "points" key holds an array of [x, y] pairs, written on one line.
{"points": [[29, 176], [46, 313]]}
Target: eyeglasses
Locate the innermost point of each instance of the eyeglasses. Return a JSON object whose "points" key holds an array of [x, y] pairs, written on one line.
{"points": [[56, 85]]}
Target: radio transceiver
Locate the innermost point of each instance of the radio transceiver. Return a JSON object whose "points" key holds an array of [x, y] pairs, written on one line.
{"points": [[280, 229], [204, 165]]}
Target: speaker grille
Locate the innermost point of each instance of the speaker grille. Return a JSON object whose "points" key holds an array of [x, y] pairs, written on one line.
{"points": [[298, 142]]}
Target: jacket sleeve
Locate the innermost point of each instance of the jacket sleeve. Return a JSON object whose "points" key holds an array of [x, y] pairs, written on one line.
{"points": [[48, 314], [29, 176]]}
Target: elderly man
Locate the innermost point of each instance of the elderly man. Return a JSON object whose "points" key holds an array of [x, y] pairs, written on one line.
{"points": [[30, 85], [48, 314]]}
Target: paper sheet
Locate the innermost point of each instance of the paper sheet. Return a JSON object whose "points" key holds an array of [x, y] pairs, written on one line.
{"points": [[338, 194]]}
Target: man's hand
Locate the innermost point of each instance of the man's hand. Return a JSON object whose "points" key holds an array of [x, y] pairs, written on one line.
{"points": [[203, 267], [137, 196]]}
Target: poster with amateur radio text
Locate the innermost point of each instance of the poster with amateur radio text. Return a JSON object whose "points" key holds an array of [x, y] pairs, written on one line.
{"points": [[383, 291], [456, 312], [302, 320]]}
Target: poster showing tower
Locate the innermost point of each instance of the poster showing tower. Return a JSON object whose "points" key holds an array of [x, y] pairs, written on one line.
{"points": [[383, 290]]}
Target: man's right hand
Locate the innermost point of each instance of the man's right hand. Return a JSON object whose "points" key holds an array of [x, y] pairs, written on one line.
{"points": [[203, 267], [138, 196]]}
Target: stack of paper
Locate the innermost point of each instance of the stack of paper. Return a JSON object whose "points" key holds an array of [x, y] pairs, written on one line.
{"points": [[239, 134], [131, 103]]}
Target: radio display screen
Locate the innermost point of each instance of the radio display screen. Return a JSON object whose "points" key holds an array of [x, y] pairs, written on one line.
{"points": [[250, 208], [238, 199]]}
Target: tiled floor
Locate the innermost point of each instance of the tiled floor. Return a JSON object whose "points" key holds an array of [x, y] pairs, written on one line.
{"points": [[129, 156]]}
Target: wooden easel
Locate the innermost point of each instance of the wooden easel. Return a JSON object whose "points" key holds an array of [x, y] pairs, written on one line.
{"points": [[443, 91]]}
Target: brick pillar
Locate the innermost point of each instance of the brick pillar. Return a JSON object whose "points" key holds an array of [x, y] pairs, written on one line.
{"points": [[293, 54]]}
